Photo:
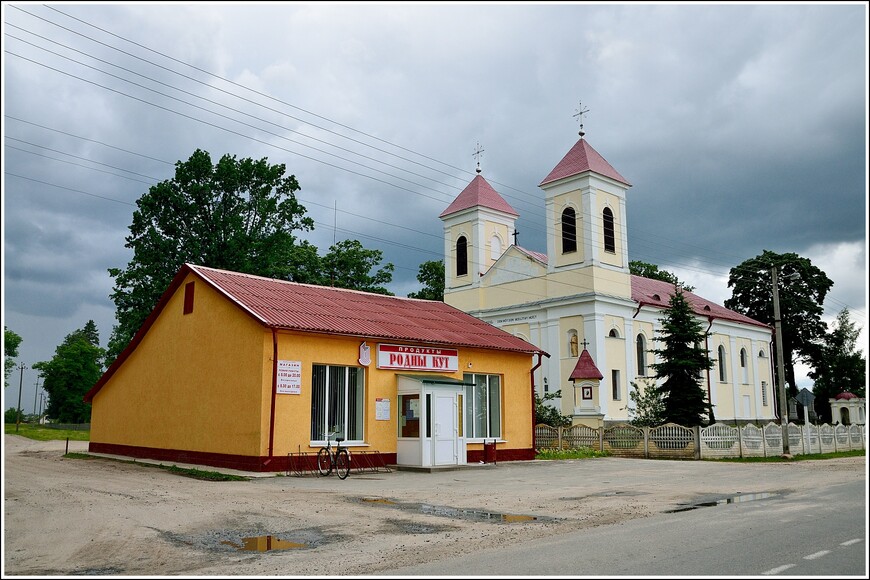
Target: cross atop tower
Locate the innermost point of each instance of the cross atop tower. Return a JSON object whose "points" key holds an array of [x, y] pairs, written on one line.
{"points": [[477, 155], [579, 114]]}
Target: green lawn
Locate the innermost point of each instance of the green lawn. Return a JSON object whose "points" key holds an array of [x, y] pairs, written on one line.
{"points": [[41, 433]]}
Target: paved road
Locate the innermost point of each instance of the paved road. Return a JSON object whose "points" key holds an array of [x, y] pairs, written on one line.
{"points": [[819, 533]]}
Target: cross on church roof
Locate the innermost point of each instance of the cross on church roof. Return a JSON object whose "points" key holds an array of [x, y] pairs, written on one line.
{"points": [[477, 154], [579, 114], [585, 344]]}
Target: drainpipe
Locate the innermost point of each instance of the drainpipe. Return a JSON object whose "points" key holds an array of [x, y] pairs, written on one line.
{"points": [[274, 391], [707, 347], [532, 374]]}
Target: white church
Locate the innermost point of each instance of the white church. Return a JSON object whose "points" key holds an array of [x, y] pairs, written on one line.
{"points": [[579, 303]]}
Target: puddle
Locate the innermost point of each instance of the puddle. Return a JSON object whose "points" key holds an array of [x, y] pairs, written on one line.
{"points": [[742, 498], [467, 514], [264, 544]]}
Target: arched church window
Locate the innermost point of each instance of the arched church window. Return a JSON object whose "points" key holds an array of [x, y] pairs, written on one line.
{"points": [[609, 231], [613, 333], [722, 376], [461, 256], [744, 366], [641, 355], [569, 230]]}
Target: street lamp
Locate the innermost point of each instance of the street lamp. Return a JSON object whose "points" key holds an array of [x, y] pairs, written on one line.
{"points": [[780, 366]]}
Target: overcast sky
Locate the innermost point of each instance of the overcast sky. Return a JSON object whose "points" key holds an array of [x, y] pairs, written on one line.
{"points": [[741, 127]]}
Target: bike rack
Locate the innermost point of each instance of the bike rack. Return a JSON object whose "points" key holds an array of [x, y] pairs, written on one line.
{"points": [[304, 463]]}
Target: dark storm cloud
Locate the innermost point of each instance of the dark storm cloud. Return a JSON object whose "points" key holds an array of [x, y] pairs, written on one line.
{"points": [[741, 128]]}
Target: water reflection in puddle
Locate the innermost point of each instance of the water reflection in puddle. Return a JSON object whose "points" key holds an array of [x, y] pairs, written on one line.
{"points": [[451, 512], [745, 497], [264, 544]]}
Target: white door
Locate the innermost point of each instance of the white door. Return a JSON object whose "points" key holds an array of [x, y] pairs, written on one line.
{"points": [[445, 431]]}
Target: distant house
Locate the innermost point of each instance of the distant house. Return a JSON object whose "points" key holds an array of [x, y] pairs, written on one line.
{"points": [[581, 292], [240, 371]]}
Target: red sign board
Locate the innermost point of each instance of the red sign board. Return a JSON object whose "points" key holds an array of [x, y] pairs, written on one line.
{"points": [[417, 358]]}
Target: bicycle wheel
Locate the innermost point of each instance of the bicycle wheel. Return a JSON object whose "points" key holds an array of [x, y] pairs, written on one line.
{"points": [[342, 463], [324, 461]]}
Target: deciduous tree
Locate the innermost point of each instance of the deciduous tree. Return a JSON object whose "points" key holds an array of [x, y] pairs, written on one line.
{"points": [[800, 303], [74, 369], [838, 365], [431, 275], [11, 341], [646, 270], [349, 265]]}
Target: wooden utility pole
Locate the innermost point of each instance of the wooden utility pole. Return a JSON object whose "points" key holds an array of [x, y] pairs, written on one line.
{"points": [[21, 368]]}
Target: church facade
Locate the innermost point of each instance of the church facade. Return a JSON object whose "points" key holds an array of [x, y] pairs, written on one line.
{"points": [[579, 300]]}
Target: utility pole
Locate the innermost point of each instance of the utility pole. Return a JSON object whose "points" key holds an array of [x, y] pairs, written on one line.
{"points": [[780, 365], [35, 393], [21, 367]]}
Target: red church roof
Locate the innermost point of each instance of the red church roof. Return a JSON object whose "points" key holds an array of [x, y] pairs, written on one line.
{"points": [[585, 368], [649, 292], [479, 193], [581, 158]]}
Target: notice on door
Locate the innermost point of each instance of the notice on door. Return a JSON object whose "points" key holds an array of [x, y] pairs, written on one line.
{"points": [[289, 377], [382, 409]]}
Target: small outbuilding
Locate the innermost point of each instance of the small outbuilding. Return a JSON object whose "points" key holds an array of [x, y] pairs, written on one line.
{"points": [[240, 371], [848, 409]]}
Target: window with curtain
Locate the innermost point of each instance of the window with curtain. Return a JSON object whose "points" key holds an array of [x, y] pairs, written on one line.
{"points": [[337, 402], [483, 404]]}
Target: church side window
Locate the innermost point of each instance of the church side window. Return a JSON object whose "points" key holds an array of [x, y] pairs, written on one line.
{"points": [[569, 230], [614, 382], [641, 355], [609, 231], [461, 256], [744, 367], [722, 375]]}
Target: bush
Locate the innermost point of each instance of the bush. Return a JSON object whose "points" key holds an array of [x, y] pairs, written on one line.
{"points": [[549, 415]]}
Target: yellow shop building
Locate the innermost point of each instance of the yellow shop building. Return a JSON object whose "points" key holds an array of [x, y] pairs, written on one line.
{"points": [[240, 371]]}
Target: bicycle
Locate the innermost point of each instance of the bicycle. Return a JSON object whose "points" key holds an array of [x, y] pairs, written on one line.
{"points": [[337, 459]]}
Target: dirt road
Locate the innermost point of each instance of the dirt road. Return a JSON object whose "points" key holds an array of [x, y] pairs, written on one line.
{"points": [[67, 516]]}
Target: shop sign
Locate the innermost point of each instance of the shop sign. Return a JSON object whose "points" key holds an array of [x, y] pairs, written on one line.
{"points": [[289, 377], [417, 358]]}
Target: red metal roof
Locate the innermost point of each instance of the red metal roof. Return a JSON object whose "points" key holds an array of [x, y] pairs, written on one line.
{"points": [[536, 255], [846, 396], [479, 193], [649, 292], [585, 368], [582, 157], [304, 307]]}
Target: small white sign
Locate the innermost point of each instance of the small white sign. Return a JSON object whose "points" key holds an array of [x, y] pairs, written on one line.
{"points": [[382, 409], [289, 377]]}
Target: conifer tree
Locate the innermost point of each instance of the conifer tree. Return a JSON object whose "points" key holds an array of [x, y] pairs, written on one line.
{"points": [[683, 362]]}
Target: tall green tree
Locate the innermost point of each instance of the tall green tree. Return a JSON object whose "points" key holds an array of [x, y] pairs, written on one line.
{"points": [[237, 214], [431, 276], [11, 341], [652, 271], [74, 369], [800, 302], [838, 365], [349, 265], [683, 362]]}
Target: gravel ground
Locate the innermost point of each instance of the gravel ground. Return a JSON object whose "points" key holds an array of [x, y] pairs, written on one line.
{"points": [[100, 516]]}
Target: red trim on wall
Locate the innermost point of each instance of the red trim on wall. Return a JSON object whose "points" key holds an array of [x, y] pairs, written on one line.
{"points": [[224, 460], [476, 455]]}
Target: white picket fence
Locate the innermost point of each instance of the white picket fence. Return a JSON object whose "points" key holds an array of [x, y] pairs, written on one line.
{"points": [[716, 441]]}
